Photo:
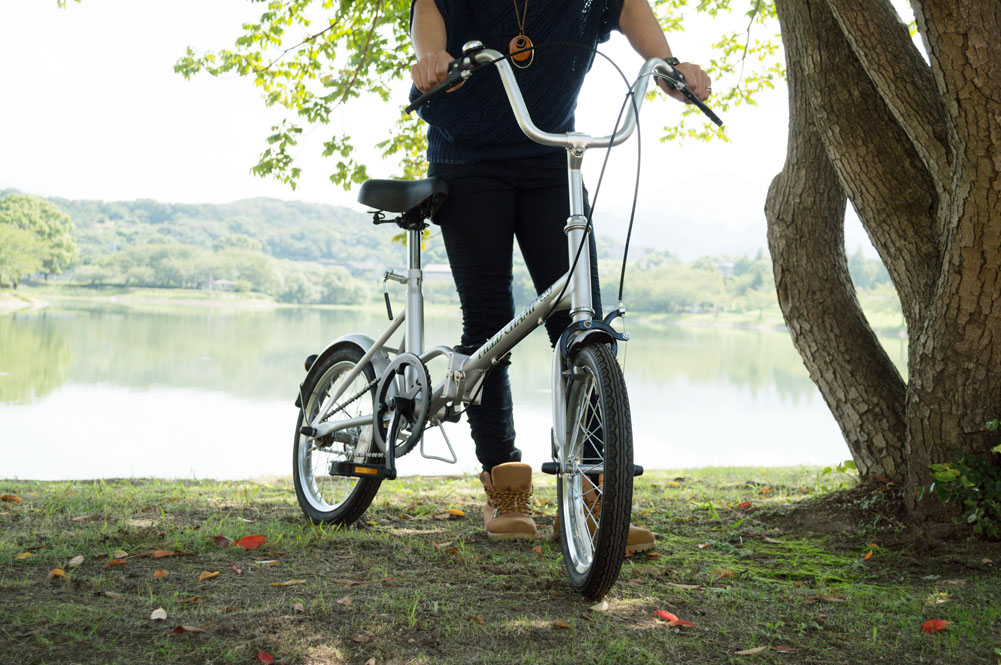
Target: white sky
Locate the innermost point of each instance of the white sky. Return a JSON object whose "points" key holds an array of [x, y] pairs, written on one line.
{"points": [[91, 109]]}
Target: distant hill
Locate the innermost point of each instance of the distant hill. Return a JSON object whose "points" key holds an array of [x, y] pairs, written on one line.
{"points": [[292, 230]]}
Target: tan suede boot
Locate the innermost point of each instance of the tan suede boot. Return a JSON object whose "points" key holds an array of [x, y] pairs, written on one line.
{"points": [[508, 514], [639, 539]]}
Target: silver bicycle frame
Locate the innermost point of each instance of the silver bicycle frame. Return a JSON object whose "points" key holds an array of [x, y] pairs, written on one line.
{"points": [[571, 291]]}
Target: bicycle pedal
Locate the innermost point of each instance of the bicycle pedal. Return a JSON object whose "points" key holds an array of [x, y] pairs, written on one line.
{"points": [[361, 470]]}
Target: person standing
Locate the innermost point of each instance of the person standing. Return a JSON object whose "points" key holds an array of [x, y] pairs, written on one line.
{"points": [[503, 186]]}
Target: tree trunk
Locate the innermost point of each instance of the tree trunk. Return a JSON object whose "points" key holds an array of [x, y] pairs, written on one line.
{"points": [[917, 150], [805, 212]]}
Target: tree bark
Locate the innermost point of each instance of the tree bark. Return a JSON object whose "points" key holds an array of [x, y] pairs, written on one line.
{"points": [[805, 211], [917, 149]]}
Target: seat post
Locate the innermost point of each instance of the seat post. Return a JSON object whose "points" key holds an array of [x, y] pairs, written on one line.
{"points": [[414, 341]]}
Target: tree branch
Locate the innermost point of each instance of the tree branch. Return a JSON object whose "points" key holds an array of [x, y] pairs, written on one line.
{"points": [[882, 43]]}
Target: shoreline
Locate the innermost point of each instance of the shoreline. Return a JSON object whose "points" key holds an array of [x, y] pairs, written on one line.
{"points": [[141, 298]]}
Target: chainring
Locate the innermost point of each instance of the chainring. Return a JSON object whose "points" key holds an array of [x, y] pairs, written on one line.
{"points": [[403, 402]]}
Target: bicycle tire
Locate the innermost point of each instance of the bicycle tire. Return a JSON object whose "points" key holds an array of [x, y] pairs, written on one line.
{"points": [[349, 497], [596, 460]]}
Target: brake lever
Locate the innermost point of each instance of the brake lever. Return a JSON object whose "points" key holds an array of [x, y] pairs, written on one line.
{"points": [[456, 75], [681, 86]]}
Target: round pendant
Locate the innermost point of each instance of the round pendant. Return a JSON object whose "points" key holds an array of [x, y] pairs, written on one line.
{"points": [[521, 57]]}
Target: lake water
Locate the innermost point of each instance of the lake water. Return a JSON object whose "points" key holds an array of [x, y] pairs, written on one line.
{"points": [[97, 391]]}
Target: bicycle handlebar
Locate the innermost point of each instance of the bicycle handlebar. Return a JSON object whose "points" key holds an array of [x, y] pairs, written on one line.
{"points": [[475, 56]]}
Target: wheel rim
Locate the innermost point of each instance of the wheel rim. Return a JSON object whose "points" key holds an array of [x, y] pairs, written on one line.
{"points": [[324, 492], [580, 456]]}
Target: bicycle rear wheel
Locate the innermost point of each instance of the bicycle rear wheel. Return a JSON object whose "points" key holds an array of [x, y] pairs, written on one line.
{"points": [[322, 497], [595, 486]]}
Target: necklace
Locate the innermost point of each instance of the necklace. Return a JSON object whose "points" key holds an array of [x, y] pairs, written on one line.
{"points": [[524, 58]]}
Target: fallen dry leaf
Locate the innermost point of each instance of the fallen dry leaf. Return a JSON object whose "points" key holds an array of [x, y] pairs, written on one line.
{"points": [[348, 582], [748, 652], [10, 498], [702, 546], [743, 504], [24, 555], [267, 562], [121, 554], [160, 574], [765, 490], [686, 587], [288, 583], [221, 541], [187, 629], [362, 637], [600, 606], [771, 540], [455, 512], [955, 582], [934, 625], [831, 598], [84, 518], [298, 607], [725, 572], [113, 595], [115, 562], [346, 600], [229, 608], [867, 555], [370, 661], [265, 657], [207, 575], [159, 614], [443, 516], [783, 649], [159, 554], [57, 572], [585, 616], [238, 571], [76, 561], [561, 624], [476, 618], [537, 549], [250, 542], [652, 555], [193, 599], [438, 546]]}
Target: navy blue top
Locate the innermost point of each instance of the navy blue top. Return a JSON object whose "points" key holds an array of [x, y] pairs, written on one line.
{"points": [[476, 123]]}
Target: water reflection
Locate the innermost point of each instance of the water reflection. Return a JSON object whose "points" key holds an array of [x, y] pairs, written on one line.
{"points": [[209, 392], [34, 359]]}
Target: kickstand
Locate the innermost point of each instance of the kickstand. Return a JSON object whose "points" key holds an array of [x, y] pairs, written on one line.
{"points": [[447, 443]]}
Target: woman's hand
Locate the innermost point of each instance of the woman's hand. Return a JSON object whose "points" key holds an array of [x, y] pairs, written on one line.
{"points": [[431, 70], [697, 80]]}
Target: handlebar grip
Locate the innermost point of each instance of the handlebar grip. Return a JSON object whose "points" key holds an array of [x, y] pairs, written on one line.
{"points": [[455, 75]]}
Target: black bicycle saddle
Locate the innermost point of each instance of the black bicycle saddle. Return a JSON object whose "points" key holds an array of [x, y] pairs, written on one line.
{"points": [[404, 195]]}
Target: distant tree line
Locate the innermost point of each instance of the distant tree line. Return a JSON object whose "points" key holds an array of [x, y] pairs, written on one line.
{"points": [[312, 253]]}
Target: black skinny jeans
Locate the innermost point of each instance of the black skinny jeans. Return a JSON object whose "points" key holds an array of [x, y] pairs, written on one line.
{"points": [[490, 204]]}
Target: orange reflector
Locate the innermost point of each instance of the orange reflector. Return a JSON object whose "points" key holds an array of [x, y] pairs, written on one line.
{"points": [[366, 470]]}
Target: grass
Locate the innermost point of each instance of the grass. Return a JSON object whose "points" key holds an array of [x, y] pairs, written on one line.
{"points": [[790, 576]]}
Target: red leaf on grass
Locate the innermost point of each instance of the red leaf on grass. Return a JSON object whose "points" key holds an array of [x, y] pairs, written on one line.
{"points": [[671, 619], [250, 542], [743, 504], [159, 554], [10, 498], [265, 657], [115, 562], [934, 625]]}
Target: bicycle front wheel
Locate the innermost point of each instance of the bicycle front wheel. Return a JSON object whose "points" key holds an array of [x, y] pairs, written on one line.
{"points": [[595, 486], [322, 497]]}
